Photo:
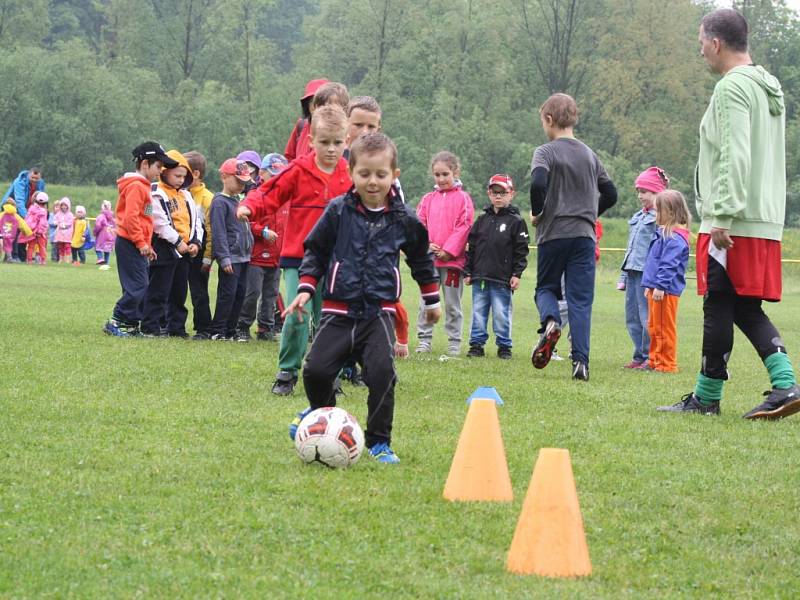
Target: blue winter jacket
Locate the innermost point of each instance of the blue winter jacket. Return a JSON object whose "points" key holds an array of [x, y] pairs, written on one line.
{"points": [[665, 268], [19, 190], [641, 232]]}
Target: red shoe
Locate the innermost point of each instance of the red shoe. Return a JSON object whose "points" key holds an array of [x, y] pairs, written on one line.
{"points": [[634, 364]]}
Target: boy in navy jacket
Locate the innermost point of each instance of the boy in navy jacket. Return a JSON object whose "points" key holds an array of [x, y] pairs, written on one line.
{"points": [[356, 247]]}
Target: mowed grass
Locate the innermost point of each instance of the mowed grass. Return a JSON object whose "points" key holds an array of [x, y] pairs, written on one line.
{"points": [[162, 468]]}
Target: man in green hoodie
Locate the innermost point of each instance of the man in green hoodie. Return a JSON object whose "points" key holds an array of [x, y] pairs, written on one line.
{"points": [[740, 186]]}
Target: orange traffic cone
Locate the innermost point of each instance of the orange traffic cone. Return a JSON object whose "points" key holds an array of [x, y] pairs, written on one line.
{"points": [[479, 471], [549, 539]]}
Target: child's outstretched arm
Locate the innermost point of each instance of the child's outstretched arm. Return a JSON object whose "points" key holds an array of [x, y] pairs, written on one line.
{"points": [[297, 306]]}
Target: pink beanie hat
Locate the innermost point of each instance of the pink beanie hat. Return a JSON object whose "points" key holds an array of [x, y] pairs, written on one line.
{"points": [[653, 180]]}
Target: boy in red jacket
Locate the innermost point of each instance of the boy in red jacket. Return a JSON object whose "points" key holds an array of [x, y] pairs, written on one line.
{"points": [[263, 274], [307, 185], [134, 232]]}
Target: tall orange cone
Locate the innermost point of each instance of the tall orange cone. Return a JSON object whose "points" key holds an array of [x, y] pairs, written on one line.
{"points": [[479, 471], [549, 539]]}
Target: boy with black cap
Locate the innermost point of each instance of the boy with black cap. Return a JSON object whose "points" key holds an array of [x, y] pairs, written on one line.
{"points": [[134, 233]]}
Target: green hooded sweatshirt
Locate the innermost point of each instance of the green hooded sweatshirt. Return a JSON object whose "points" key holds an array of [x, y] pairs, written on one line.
{"points": [[740, 180]]}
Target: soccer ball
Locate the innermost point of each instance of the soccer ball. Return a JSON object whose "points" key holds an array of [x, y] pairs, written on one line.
{"points": [[331, 436]]}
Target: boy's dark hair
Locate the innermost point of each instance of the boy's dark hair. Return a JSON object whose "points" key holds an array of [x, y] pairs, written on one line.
{"points": [[448, 158], [372, 143], [562, 108], [35, 169], [197, 162], [331, 93], [727, 25], [331, 115], [366, 103]]}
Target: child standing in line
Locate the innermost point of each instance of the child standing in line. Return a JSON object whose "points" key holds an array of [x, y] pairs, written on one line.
{"points": [[37, 221], [356, 247], [664, 278], [10, 225], [64, 228], [447, 213], [308, 184], [570, 177], [200, 267], [253, 161], [80, 236], [177, 237], [497, 254], [642, 228], [263, 274], [134, 236], [299, 144], [104, 235], [232, 245]]}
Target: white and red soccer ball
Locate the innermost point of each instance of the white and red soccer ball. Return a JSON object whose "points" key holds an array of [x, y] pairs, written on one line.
{"points": [[330, 436]]}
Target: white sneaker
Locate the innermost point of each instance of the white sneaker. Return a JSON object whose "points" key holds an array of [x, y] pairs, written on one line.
{"points": [[104, 267], [454, 350], [423, 348], [555, 356]]}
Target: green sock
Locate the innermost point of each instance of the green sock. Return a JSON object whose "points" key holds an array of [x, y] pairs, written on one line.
{"points": [[708, 390], [781, 373]]}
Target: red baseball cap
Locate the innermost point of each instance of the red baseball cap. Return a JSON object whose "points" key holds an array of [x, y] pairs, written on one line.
{"points": [[312, 87], [504, 181], [238, 168]]}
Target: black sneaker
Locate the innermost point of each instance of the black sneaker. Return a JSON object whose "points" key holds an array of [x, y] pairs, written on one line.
{"points": [[580, 370], [220, 337], [353, 375], [504, 353], [338, 390], [265, 335], [691, 404], [242, 336], [179, 334], [284, 383], [779, 404], [201, 336], [544, 349], [476, 351]]}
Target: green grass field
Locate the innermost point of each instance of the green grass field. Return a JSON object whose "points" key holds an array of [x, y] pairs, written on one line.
{"points": [[162, 468]]}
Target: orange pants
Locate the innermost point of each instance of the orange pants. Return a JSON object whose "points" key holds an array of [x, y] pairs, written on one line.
{"points": [[662, 327]]}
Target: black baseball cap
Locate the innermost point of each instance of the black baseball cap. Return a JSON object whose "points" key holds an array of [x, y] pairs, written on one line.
{"points": [[152, 151]]}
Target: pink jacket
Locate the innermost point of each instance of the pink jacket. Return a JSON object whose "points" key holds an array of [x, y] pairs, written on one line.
{"points": [[448, 217], [104, 231], [37, 221], [64, 222]]}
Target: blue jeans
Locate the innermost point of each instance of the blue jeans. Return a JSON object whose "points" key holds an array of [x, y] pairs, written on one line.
{"points": [[574, 259], [497, 296], [636, 316]]}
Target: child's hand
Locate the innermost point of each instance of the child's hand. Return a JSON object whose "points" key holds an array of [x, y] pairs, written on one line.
{"points": [[182, 248], [467, 280], [445, 256], [193, 250], [297, 306], [432, 315], [434, 248], [647, 292], [621, 286], [270, 235], [228, 269], [658, 295], [514, 283], [242, 212], [205, 268], [400, 350]]}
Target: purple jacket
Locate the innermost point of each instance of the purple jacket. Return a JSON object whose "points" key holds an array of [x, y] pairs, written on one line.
{"points": [[105, 232], [665, 267]]}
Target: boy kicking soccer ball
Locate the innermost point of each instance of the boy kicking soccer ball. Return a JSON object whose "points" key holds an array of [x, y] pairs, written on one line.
{"points": [[356, 246]]}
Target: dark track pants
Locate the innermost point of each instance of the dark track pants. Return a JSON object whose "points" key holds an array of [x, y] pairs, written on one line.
{"points": [[132, 269], [337, 339]]}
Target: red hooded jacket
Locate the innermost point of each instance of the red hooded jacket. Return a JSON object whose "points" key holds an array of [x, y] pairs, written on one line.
{"points": [[307, 194], [266, 253]]}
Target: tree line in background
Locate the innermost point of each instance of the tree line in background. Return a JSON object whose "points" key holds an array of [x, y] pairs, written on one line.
{"points": [[83, 82]]}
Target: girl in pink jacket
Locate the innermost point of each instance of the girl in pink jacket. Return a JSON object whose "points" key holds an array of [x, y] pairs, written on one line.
{"points": [[64, 224], [37, 221], [447, 212], [105, 235]]}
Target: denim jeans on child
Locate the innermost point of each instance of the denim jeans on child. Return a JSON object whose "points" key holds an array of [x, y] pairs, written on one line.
{"points": [[573, 258], [636, 316], [497, 297]]}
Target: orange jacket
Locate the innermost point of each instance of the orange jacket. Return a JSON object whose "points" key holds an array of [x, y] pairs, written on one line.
{"points": [[134, 211]]}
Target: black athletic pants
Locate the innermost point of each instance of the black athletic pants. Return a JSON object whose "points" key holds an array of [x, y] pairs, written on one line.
{"points": [[198, 288], [337, 338]]}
